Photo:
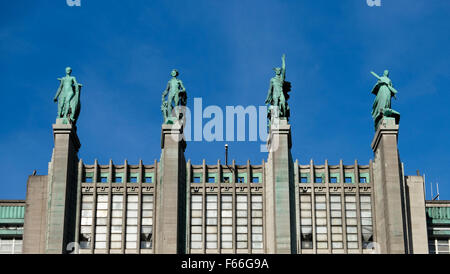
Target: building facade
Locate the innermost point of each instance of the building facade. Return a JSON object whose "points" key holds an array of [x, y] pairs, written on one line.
{"points": [[276, 206], [11, 226]]}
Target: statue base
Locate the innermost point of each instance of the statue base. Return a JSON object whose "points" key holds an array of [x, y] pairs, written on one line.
{"points": [[387, 114]]}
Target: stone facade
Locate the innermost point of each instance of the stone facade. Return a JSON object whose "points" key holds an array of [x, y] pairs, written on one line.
{"points": [[277, 206]]}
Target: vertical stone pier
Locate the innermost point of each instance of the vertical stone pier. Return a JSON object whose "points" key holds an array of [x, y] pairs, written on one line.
{"points": [[62, 188], [171, 200], [280, 200], [389, 190]]}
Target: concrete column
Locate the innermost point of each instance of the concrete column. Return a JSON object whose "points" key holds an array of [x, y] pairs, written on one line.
{"points": [[35, 215], [415, 191], [171, 186], [62, 186], [388, 189], [280, 200]]}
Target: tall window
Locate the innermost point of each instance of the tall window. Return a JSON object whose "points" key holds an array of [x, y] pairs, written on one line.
{"points": [[147, 221], [351, 222], [10, 246], [306, 222], [116, 221], [131, 222], [321, 222], [257, 221], [226, 221], [366, 221], [241, 221], [211, 221], [86, 221], [101, 221], [336, 222], [196, 221]]}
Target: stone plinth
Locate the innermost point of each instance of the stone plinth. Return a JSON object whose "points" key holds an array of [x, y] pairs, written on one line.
{"points": [[62, 186], [171, 198], [389, 190], [280, 202]]}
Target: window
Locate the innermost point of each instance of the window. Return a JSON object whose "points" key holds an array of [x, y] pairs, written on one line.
{"points": [[306, 222], [321, 222], [211, 179], [241, 221], [117, 179], [131, 222], [366, 221], [147, 221], [363, 180], [226, 221], [101, 221], [10, 246], [318, 179], [241, 179], [196, 221], [226, 179], [257, 221], [103, 179], [116, 221], [348, 179], [255, 179], [336, 222], [133, 179], [148, 179], [442, 246], [438, 246], [303, 179], [333, 180], [86, 221], [351, 222], [211, 221], [197, 179], [88, 179]]}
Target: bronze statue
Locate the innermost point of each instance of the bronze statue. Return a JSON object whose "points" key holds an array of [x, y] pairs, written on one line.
{"points": [[68, 97]]}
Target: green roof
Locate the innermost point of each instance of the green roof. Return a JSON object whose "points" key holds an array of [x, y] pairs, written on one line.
{"points": [[12, 214], [438, 215]]}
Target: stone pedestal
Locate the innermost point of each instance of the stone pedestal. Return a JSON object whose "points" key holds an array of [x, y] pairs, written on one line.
{"points": [[389, 190], [279, 189], [171, 199], [62, 188]]}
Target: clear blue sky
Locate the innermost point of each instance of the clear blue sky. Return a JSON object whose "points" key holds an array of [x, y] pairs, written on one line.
{"points": [[123, 51]]}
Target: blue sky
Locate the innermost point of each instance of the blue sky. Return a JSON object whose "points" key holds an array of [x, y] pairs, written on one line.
{"points": [[123, 51]]}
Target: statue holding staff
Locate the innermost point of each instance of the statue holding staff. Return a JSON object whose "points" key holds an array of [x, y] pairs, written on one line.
{"points": [[384, 92]]}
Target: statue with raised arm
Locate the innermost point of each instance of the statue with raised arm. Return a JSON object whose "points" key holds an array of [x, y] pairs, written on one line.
{"points": [[176, 95], [277, 95], [68, 98], [384, 92]]}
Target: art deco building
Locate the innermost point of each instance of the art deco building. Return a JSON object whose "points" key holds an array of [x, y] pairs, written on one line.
{"points": [[275, 206]]}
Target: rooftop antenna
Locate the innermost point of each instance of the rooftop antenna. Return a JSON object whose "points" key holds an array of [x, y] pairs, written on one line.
{"points": [[226, 154], [431, 185], [437, 189]]}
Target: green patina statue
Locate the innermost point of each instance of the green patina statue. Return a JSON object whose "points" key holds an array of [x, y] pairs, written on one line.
{"points": [[384, 91], [176, 94], [68, 98], [277, 95]]}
